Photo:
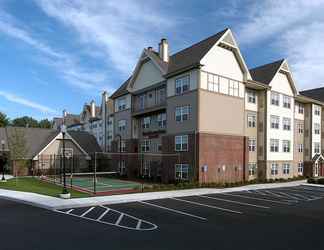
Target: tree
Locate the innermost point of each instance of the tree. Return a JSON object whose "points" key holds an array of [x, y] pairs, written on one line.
{"points": [[4, 120], [18, 150], [45, 123], [25, 121]]}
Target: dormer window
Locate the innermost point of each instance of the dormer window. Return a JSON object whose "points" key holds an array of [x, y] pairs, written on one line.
{"points": [[286, 102]]}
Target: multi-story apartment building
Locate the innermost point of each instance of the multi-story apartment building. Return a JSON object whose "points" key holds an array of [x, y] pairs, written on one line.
{"points": [[225, 122], [97, 120]]}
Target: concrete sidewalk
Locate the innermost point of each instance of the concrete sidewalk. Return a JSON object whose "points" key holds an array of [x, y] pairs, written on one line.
{"points": [[52, 203]]}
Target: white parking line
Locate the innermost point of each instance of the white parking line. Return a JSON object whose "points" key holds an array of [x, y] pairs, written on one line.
{"points": [[205, 205], [255, 198], [68, 212], [104, 213], [172, 210], [86, 212], [139, 223], [274, 194], [119, 219], [313, 190], [231, 201], [291, 196]]}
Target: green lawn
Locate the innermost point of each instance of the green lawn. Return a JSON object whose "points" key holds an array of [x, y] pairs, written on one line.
{"points": [[34, 185]]}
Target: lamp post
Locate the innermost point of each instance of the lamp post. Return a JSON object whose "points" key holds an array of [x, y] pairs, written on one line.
{"points": [[120, 139], [3, 179], [65, 193]]}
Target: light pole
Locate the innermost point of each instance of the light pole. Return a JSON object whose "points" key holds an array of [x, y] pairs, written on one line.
{"points": [[3, 179], [65, 194]]}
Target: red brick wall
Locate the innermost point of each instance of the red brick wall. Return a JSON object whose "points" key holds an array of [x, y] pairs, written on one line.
{"points": [[226, 157]]}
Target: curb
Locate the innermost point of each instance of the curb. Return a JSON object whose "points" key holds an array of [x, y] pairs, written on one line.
{"points": [[313, 185]]}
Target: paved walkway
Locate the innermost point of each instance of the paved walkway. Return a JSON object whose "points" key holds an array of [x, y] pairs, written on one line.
{"points": [[57, 203]]}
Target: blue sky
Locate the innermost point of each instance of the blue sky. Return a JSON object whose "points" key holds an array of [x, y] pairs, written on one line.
{"points": [[59, 54]]}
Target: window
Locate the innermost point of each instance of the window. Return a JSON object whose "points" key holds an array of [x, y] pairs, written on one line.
{"points": [[121, 104], [122, 167], [300, 168], [275, 98], [317, 128], [286, 102], [251, 96], [161, 118], [142, 101], [316, 147], [122, 125], [300, 148], [213, 82], [274, 169], [146, 122], [182, 85], [251, 120], [182, 171], [252, 145], [317, 110], [274, 120], [121, 146], [181, 143], [286, 146], [285, 168], [146, 171], [182, 113], [274, 145], [252, 169], [300, 128], [286, 123], [145, 147], [233, 88], [300, 108]]}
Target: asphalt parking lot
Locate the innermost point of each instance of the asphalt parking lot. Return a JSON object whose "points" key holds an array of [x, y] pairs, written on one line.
{"points": [[281, 218]]}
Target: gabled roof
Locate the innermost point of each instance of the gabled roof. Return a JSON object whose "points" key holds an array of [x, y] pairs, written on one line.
{"points": [[122, 90], [86, 141], [266, 73], [192, 55], [317, 94], [317, 157]]}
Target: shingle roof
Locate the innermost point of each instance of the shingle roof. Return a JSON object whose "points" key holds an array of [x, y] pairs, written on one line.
{"points": [[181, 60], [36, 139], [122, 90], [265, 73], [192, 55], [317, 94], [86, 141]]}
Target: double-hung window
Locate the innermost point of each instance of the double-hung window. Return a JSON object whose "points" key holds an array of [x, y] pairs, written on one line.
{"points": [[121, 125], [213, 82], [316, 147], [317, 128], [121, 104], [182, 113], [251, 120], [286, 101], [251, 96], [300, 128], [300, 168], [181, 143], [286, 146], [285, 168], [146, 145], [275, 98], [252, 144], [300, 108], [286, 123], [274, 145], [317, 110], [274, 169], [252, 169], [274, 120], [181, 171], [162, 120], [182, 84], [146, 122], [300, 148]]}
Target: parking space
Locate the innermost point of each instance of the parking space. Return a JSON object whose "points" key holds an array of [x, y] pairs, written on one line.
{"points": [[221, 207]]}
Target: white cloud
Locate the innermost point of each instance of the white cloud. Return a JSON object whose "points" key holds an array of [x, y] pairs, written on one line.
{"points": [[293, 29], [118, 30], [25, 102], [65, 64]]}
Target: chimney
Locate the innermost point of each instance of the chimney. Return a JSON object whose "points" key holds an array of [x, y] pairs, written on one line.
{"points": [[93, 109], [149, 48], [105, 97], [64, 113], [164, 50]]}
